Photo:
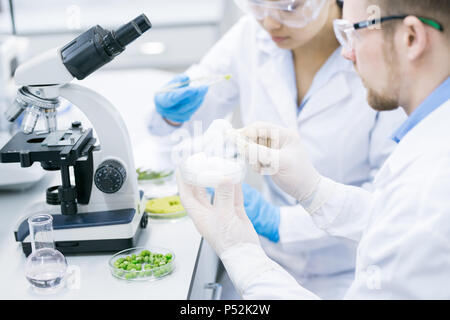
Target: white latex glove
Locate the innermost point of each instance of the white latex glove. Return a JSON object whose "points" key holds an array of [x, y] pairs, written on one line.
{"points": [[279, 152], [223, 224]]}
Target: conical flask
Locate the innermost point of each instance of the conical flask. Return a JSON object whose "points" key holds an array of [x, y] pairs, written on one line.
{"points": [[45, 267]]}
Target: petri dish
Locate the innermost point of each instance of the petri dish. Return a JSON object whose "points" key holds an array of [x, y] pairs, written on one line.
{"points": [[159, 186], [218, 161], [165, 208], [146, 273], [209, 172]]}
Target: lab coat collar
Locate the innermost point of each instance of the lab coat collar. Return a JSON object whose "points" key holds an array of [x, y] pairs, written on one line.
{"points": [[433, 101], [329, 87], [278, 80], [428, 137], [335, 64]]}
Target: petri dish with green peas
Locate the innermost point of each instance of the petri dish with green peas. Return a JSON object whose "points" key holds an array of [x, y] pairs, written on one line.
{"points": [[142, 264]]}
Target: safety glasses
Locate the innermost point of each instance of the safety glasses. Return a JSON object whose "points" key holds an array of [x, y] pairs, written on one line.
{"points": [[346, 31], [292, 13]]}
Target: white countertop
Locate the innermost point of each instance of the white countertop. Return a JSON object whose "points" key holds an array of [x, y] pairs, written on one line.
{"points": [[95, 279], [132, 93]]}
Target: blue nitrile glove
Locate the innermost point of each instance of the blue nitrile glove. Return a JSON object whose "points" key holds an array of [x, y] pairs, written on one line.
{"points": [[210, 191], [264, 216], [179, 105]]}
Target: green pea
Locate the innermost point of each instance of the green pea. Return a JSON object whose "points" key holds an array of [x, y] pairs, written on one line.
{"points": [[143, 264], [145, 253], [129, 276], [119, 273]]}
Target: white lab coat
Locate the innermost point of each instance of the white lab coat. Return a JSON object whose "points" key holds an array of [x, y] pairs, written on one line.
{"points": [[404, 241], [346, 140]]}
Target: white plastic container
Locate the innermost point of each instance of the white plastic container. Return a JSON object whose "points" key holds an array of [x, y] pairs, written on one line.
{"points": [[210, 172], [217, 162]]}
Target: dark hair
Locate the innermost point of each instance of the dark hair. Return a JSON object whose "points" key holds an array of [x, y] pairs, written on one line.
{"points": [[340, 3]]}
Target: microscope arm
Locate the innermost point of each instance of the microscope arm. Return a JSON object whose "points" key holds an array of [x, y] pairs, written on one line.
{"points": [[110, 129], [45, 69]]}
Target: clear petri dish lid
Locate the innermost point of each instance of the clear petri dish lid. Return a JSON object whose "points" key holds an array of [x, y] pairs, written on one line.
{"points": [[209, 172], [218, 160], [156, 184]]}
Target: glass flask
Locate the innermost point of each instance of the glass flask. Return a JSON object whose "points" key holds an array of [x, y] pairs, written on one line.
{"points": [[45, 267]]}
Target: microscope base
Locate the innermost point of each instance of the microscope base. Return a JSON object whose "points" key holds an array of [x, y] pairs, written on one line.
{"points": [[82, 233]]}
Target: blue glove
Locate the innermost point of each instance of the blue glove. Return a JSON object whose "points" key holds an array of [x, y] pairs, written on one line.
{"points": [[179, 105], [264, 216]]}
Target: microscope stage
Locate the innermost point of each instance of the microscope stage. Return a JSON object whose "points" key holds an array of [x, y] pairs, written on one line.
{"points": [[29, 148]]}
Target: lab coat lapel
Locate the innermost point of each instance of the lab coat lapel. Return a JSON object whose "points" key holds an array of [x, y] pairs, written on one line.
{"points": [[277, 76], [427, 135], [423, 140], [331, 93]]}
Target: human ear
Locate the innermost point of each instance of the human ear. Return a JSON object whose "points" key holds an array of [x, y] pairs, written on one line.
{"points": [[415, 38]]}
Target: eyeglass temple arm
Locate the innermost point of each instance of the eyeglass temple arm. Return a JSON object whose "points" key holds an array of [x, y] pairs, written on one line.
{"points": [[368, 23]]}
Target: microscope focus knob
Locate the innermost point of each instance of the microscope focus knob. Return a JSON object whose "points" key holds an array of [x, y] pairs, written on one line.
{"points": [[110, 176]]}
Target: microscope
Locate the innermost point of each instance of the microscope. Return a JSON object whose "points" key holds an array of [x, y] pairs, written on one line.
{"points": [[98, 206]]}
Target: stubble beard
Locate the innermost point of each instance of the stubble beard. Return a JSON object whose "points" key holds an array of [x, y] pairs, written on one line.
{"points": [[385, 99]]}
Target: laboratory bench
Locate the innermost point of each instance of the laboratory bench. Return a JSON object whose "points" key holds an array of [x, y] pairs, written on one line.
{"points": [[196, 264]]}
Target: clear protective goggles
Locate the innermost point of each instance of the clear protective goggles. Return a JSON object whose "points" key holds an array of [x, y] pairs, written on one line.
{"points": [[292, 13], [347, 35]]}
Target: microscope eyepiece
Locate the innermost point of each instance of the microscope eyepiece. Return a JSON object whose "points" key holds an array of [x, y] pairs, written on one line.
{"points": [[132, 30], [97, 46]]}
